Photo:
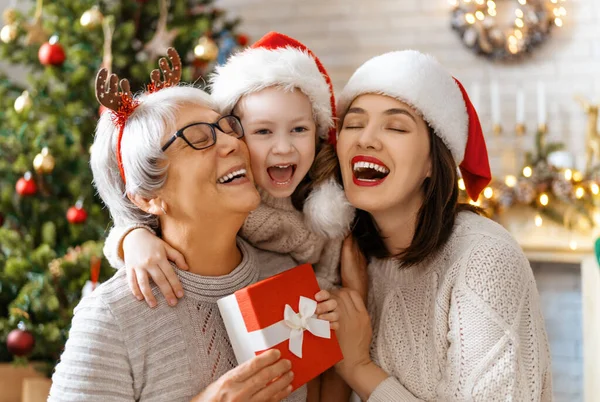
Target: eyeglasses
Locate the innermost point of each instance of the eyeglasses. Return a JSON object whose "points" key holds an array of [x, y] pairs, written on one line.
{"points": [[203, 135]]}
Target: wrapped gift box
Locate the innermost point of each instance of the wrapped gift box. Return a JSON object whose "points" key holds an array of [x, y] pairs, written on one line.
{"points": [[278, 312]]}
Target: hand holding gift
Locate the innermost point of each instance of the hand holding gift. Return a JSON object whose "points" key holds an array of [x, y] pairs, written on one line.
{"points": [[263, 378], [282, 313]]}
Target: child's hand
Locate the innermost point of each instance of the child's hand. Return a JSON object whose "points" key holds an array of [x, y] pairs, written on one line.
{"points": [[146, 256], [326, 309], [354, 270]]}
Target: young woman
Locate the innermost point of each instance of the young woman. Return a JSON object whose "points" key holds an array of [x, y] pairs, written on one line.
{"points": [[453, 312]]}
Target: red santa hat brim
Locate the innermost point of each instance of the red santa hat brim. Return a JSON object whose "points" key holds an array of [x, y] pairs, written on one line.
{"points": [[422, 82], [277, 60]]}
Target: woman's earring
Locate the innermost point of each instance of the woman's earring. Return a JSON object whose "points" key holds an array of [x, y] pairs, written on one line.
{"points": [[163, 209]]}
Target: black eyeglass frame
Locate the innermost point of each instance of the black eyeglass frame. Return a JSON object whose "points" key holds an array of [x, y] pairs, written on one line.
{"points": [[213, 126]]}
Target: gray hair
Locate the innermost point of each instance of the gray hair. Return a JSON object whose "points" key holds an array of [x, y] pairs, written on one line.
{"points": [[144, 163]]}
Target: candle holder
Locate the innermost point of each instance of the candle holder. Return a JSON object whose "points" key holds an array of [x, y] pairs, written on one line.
{"points": [[543, 128], [520, 129], [497, 129]]}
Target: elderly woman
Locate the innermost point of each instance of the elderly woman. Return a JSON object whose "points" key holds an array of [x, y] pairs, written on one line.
{"points": [[185, 172]]}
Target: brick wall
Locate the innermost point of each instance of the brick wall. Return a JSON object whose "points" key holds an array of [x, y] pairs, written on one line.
{"points": [[345, 33]]}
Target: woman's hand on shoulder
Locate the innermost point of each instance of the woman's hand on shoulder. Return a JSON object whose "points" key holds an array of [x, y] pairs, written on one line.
{"points": [[147, 256]]}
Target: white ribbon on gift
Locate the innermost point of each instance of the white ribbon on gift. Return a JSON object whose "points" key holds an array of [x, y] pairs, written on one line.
{"points": [[292, 327]]}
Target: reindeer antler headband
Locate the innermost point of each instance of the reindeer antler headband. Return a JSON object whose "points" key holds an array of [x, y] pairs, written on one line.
{"points": [[121, 102]]}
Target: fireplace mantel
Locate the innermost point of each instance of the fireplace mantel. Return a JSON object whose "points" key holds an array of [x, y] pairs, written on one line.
{"points": [[550, 242]]}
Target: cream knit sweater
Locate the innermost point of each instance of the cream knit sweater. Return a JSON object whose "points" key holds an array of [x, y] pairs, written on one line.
{"points": [[277, 226], [464, 326], [121, 350], [274, 226]]}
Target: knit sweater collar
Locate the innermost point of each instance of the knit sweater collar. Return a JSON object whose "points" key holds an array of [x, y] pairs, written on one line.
{"points": [[436, 261], [276, 203], [212, 288]]}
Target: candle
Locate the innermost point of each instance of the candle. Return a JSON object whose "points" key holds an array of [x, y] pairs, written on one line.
{"points": [[495, 97], [520, 106], [541, 103], [475, 94]]}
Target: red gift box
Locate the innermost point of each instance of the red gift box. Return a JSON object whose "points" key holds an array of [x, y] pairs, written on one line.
{"points": [[278, 312]]}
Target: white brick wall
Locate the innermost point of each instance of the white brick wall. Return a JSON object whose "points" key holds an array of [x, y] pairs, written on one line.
{"points": [[345, 33]]}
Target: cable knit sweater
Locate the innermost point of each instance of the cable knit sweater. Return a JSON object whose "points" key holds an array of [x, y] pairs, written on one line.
{"points": [[274, 226], [121, 350], [464, 326], [277, 226]]}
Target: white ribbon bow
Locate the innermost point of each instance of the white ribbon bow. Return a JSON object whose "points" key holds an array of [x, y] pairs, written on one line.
{"points": [[304, 320]]}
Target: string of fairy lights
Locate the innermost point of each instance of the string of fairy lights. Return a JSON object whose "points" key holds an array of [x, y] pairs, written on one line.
{"points": [[569, 191]]}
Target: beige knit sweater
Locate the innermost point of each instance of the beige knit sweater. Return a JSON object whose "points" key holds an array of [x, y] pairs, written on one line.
{"points": [[121, 350], [464, 326], [277, 226], [274, 226]]}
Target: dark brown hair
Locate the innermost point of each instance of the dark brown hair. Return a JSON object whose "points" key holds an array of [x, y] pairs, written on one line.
{"points": [[435, 219], [322, 168]]}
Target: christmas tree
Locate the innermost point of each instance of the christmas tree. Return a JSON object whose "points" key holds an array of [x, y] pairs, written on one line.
{"points": [[51, 221]]}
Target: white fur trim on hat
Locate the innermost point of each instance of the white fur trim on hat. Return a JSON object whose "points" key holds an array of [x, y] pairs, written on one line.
{"points": [[327, 211], [255, 69], [422, 82]]}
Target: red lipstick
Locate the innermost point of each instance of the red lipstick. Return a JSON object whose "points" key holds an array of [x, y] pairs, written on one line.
{"points": [[367, 182]]}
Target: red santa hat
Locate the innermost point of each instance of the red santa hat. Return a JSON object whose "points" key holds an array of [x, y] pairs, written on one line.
{"points": [[420, 81], [278, 60]]}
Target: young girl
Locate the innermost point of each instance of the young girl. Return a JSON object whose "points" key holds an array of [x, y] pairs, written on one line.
{"points": [[284, 98]]}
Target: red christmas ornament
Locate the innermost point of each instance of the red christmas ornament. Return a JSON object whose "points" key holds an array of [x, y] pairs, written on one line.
{"points": [[242, 39], [19, 342], [26, 185], [77, 214], [52, 53]]}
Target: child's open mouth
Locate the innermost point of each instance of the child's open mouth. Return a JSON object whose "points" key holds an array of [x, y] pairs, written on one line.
{"points": [[281, 175]]}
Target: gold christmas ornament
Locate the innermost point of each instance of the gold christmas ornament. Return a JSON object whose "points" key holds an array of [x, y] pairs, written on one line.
{"points": [[92, 18], [55, 268], [9, 15], [44, 162], [9, 33], [592, 136], [206, 49], [163, 38], [35, 31], [23, 102]]}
